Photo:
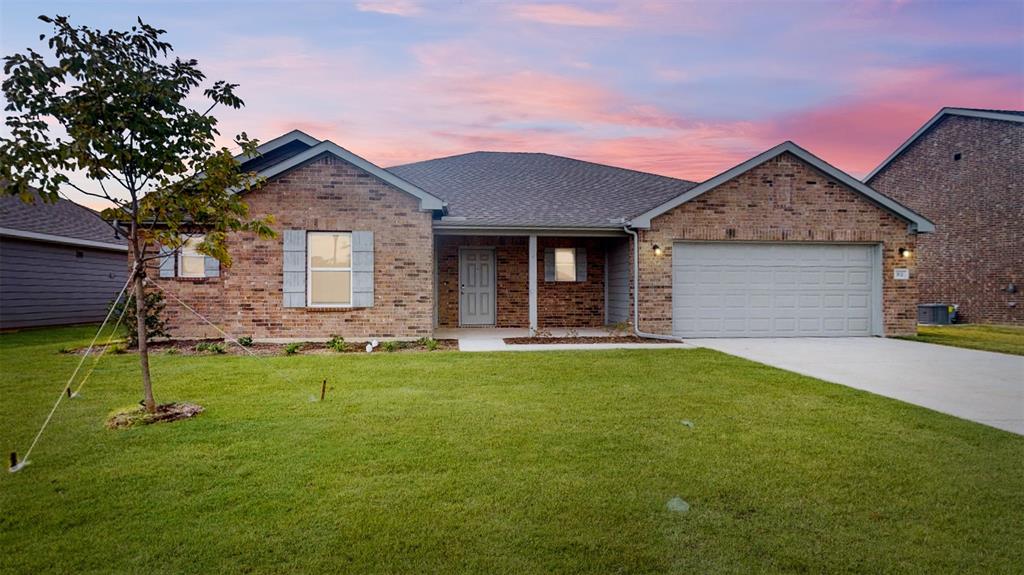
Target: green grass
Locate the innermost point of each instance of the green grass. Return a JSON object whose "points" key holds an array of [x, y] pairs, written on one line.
{"points": [[494, 463], [1000, 338]]}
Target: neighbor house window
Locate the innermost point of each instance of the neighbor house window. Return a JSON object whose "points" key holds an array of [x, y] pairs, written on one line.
{"points": [[330, 269], [191, 263], [565, 265]]}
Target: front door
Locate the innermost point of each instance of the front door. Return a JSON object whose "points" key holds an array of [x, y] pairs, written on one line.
{"points": [[476, 287]]}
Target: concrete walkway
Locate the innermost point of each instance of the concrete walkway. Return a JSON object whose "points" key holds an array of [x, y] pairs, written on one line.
{"points": [[492, 339], [980, 386]]}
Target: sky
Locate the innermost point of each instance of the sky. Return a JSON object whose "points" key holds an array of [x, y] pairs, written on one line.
{"points": [[686, 89]]}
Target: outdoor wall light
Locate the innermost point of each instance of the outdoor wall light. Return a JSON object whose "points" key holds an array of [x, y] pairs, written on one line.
{"points": [[904, 252], [657, 250]]}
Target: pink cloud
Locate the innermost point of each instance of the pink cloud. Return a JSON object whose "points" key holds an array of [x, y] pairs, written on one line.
{"points": [[391, 7], [567, 15], [856, 133]]}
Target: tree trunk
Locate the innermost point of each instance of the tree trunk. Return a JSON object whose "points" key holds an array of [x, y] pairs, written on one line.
{"points": [[140, 326]]}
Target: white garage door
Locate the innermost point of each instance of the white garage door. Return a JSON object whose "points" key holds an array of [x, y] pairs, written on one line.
{"points": [[773, 290]]}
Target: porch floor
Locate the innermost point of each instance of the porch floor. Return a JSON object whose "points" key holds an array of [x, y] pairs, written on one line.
{"points": [[492, 339]]}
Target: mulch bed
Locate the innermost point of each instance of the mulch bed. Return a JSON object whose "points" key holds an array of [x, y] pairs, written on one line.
{"points": [[189, 347], [598, 339], [164, 413]]}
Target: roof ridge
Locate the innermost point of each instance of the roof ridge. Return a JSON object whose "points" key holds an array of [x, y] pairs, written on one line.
{"points": [[592, 163]]}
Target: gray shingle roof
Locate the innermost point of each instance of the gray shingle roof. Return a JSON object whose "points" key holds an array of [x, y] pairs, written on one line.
{"points": [[64, 218], [529, 189]]}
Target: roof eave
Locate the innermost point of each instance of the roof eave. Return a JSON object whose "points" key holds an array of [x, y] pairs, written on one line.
{"points": [[65, 240]]}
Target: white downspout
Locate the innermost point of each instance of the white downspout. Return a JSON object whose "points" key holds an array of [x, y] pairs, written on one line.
{"points": [[636, 290]]}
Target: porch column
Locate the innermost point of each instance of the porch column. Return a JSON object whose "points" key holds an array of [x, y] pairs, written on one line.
{"points": [[533, 284]]}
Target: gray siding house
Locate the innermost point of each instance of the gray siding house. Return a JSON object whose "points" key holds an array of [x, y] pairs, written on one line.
{"points": [[59, 264]]}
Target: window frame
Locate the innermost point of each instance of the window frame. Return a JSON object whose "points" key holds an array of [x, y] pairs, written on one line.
{"points": [[575, 277], [180, 271], [309, 271]]}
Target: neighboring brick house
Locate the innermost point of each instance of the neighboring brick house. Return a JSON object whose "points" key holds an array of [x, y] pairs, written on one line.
{"points": [[783, 244], [964, 170]]}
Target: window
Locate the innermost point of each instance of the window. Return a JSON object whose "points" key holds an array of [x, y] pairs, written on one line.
{"points": [[565, 265], [191, 263], [329, 283]]}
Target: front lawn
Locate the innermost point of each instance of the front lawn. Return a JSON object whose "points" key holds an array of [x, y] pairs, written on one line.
{"points": [[1000, 338], [494, 463]]}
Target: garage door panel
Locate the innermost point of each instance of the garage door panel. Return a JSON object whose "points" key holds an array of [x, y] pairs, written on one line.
{"points": [[760, 290]]}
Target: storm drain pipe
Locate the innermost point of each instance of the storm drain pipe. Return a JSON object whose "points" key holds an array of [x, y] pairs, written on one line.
{"points": [[636, 290]]}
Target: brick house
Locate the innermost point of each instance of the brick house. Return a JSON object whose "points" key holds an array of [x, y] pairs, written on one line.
{"points": [[964, 170], [782, 245]]}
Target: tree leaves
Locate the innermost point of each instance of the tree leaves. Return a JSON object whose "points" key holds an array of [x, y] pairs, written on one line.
{"points": [[124, 104]]}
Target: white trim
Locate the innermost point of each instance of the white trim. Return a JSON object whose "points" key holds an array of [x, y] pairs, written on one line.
{"points": [[428, 202], [309, 271], [181, 255], [477, 230], [55, 239], [532, 276], [966, 112], [922, 224], [877, 290], [266, 147]]}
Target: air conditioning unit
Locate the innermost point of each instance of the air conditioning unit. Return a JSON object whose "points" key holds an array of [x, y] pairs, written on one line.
{"points": [[936, 313]]}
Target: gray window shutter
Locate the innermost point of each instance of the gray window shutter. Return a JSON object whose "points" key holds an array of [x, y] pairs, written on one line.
{"points": [[581, 264], [211, 266], [166, 262], [549, 264], [294, 268], [362, 269]]}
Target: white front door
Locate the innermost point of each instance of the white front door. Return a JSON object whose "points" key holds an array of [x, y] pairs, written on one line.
{"points": [[476, 287]]}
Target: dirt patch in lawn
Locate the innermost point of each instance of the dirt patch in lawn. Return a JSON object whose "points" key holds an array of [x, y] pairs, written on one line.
{"points": [[598, 339], [222, 347], [135, 416]]}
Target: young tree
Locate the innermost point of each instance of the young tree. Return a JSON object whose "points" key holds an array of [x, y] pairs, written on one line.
{"points": [[113, 107]]}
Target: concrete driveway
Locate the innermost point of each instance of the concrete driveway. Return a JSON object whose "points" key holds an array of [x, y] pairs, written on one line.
{"points": [[980, 386]]}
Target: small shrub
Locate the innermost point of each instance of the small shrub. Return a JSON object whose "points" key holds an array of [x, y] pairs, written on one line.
{"points": [[429, 343], [218, 348], [245, 341], [203, 346], [172, 351], [65, 350], [118, 348], [292, 348], [337, 343], [389, 346], [155, 325]]}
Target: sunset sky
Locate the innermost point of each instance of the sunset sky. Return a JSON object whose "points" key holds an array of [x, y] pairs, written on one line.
{"points": [[682, 89]]}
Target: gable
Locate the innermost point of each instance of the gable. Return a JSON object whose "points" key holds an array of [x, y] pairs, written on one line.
{"points": [[296, 148], [918, 222], [332, 190], [1012, 116], [783, 193]]}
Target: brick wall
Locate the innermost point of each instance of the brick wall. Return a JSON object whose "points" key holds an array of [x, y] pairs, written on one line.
{"points": [[326, 194], [977, 204], [784, 199], [559, 304]]}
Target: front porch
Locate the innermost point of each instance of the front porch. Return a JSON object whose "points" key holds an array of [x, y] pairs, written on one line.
{"points": [[575, 280]]}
